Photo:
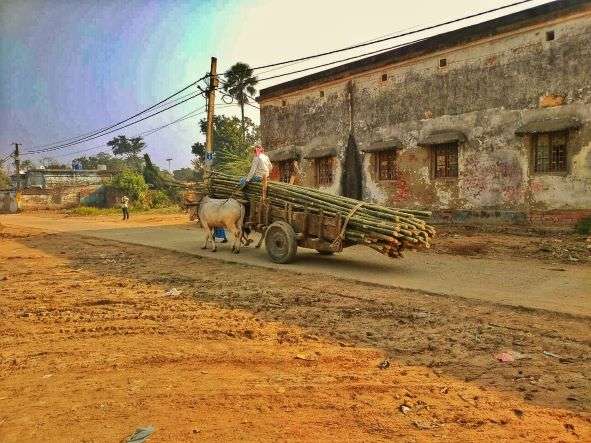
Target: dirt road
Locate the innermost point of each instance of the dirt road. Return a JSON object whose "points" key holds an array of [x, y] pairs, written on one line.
{"points": [[93, 347], [517, 281]]}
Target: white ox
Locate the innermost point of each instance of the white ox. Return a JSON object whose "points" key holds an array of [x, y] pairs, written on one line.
{"points": [[225, 213]]}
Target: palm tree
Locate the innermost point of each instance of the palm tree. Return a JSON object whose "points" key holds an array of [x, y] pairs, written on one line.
{"points": [[240, 85]]}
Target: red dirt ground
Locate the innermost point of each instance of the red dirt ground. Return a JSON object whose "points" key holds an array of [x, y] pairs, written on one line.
{"points": [[92, 347]]}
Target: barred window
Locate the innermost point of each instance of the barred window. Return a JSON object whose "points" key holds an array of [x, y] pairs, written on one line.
{"points": [[550, 151], [445, 160], [324, 171], [386, 165], [285, 170]]}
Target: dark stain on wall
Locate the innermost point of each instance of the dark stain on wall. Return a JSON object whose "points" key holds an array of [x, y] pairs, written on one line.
{"points": [[352, 179]]}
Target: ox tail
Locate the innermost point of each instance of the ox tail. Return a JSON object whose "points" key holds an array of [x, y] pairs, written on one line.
{"points": [[241, 220]]}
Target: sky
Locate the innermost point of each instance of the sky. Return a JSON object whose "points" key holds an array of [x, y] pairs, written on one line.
{"points": [[68, 67]]}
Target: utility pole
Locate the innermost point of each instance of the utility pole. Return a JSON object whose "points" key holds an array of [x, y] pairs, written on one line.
{"points": [[17, 164], [213, 83], [169, 160]]}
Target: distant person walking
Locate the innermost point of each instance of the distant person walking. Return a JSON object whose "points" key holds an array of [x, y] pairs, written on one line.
{"points": [[125, 207]]}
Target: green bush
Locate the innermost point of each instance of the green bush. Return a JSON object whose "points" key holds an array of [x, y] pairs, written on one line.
{"points": [[4, 180], [158, 199], [132, 184], [583, 226]]}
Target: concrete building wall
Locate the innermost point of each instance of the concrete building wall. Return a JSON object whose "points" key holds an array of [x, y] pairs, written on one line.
{"points": [[58, 189], [49, 178], [487, 90], [31, 199]]}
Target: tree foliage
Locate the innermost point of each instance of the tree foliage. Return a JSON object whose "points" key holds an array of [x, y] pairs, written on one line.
{"points": [[4, 180], [27, 164], [232, 150], [129, 148], [131, 184], [161, 181], [240, 84], [122, 145], [186, 175], [51, 163], [112, 163]]}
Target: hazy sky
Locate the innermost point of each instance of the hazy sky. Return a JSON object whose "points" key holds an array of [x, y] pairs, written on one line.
{"points": [[71, 66]]}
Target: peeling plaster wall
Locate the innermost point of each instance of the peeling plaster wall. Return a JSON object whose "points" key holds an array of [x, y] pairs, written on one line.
{"points": [[49, 178], [60, 197], [58, 189], [487, 91]]}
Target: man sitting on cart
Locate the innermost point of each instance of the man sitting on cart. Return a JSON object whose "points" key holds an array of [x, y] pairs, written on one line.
{"points": [[259, 170]]}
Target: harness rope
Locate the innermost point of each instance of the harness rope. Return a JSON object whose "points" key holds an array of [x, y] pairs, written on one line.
{"points": [[338, 241]]}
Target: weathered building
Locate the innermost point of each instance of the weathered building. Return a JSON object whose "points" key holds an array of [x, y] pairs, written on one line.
{"points": [[56, 189], [489, 121]]}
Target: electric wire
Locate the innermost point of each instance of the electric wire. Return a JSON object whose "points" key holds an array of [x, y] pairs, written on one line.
{"points": [[277, 68], [379, 51], [147, 133], [228, 95], [6, 158], [403, 34], [84, 137], [112, 131]]}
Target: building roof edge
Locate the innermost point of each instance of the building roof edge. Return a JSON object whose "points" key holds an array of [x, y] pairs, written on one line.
{"points": [[446, 40]]}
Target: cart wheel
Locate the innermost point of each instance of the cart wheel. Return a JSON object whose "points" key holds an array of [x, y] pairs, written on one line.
{"points": [[281, 242], [325, 252]]}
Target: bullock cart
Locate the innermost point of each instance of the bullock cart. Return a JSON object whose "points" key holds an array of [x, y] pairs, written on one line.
{"points": [[286, 226], [291, 216]]}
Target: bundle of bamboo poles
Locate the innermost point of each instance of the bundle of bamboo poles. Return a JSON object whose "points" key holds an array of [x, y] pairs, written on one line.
{"points": [[387, 230]]}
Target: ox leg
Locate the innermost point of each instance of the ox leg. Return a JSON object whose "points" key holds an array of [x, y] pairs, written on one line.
{"points": [[245, 240], [237, 234], [208, 232], [212, 236]]}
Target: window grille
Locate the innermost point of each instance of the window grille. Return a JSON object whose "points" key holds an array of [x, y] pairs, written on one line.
{"points": [[550, 151], [386, 165], [324, 173], [445, 160]]}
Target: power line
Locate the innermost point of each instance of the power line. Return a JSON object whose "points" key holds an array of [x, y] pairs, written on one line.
{"points": [[414, 69], [408, 28], [180, 119], [342, 60], [54, 148], [5, 158], [73, 138], [87, 136], [149, 132], [426, 28]]}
